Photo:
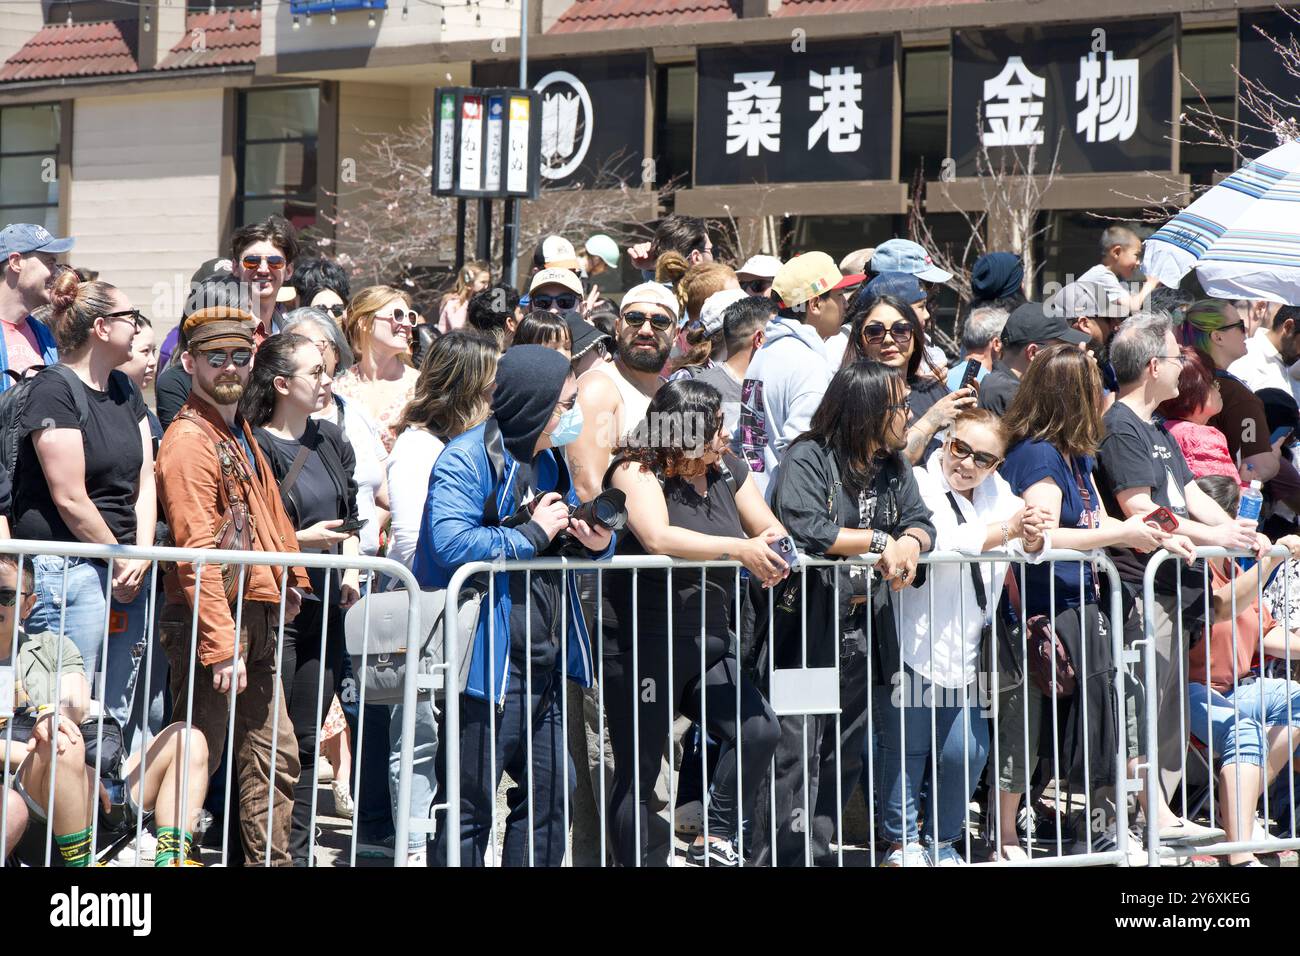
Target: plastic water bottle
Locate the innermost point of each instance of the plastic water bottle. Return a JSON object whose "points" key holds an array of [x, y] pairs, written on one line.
{"points": [[1252, 502]]}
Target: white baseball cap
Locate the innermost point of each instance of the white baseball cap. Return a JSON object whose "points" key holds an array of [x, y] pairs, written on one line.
{"points": [[760, 267], [561, 277], [650, 293]]}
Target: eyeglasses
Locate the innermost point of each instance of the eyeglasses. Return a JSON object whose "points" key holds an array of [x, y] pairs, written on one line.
{"points": [[401, 317], [564, 301], [638, 319], [565, 406], [904, 405], [900, 332], [312, 374], [8, 597], [1180, 359], [135, 315], [217, 358], [253, 263], [960, 451], [1230, 326], [756, 286]]}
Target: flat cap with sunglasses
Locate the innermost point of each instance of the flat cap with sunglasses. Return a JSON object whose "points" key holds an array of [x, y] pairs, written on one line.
{"points": [[219, 327]]}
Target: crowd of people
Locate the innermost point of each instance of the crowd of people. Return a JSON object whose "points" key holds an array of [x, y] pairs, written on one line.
{"points": [[761, 415]]}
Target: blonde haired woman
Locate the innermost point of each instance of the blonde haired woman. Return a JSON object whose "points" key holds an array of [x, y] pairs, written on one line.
{"points": [[693, 285], [379, 326], [472, 277]]}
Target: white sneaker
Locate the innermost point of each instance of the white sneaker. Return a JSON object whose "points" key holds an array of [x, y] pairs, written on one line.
{"points": [[948, 856], [689, 818], [417, 857], [343, 804], [911, 855]]}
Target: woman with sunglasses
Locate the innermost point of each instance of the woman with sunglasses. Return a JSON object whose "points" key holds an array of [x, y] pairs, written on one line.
{"points": [[1217, 330], [85, 473], [1054, 428], [313, 462], [379, 326], [885, 329], [942, 623], [473, 277]]}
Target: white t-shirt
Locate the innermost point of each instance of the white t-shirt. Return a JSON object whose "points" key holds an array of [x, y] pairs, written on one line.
{"points": [[410, 465], [368, 448]]}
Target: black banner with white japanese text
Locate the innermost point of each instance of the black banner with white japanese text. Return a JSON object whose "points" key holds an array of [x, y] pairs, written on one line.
{"points": [[1263, 65], [1099, 99], [815, 112], [593, 116]]}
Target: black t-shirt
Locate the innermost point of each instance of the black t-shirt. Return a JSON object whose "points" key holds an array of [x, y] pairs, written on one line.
{"points": [[110, 442], [1141, 454], [171, 391], [315, 493], [997, 389], [714, 513], [923, 392]]}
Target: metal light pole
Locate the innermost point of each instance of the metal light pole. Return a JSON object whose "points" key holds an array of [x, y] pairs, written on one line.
{"points": [[510, 238]]}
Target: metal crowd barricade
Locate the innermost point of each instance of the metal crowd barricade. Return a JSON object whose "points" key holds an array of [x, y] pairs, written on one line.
{"points": [[1192, 734], [795, 695], [209, 561]]}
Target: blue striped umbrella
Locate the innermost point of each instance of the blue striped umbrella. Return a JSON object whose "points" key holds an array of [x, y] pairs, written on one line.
{"points": [[1242, 237]]}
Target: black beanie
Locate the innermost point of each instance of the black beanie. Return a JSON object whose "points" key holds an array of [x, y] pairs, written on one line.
{"points": [[529, 381]]}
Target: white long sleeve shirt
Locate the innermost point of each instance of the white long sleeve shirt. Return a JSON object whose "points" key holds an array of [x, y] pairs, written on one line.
{"points": [[946, 649], [410, 464], [1262, 366]]}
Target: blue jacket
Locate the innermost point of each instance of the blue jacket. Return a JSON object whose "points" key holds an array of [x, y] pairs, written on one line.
{"points": [[452, 533], [44, 339]]}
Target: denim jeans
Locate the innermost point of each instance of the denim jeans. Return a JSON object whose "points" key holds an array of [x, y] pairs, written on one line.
{"points": [[541, 785], [1238, 721], [424, 765], [959, 744], [82, 616]]}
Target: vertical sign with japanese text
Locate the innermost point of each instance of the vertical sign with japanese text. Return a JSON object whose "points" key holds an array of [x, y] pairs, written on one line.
{"points": [[496, 110], [771, 114], [1097, 99], [471, 142], [445, 178], [517, 157]]}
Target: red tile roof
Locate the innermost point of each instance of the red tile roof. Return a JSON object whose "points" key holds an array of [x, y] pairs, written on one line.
{"points": [[222, 46], [588, 15], [800, 8], [83, 49]]}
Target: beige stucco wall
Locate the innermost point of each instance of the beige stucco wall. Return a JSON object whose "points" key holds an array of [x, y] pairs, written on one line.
{"points": [[145, 193], [19, 21]]}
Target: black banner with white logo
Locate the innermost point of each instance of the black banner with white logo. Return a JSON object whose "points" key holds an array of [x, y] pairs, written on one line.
{"points": [[795, 113], [593, 116], [1103, 96]]}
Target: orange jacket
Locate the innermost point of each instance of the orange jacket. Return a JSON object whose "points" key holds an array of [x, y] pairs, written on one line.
{"points": [[194, 499]]}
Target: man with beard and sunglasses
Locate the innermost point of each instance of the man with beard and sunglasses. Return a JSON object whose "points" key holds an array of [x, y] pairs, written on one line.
{"points": [[614, 395], [207, 456]]}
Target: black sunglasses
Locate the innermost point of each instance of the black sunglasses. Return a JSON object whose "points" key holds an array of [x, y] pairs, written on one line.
{"points": [[875, 332], [638, 319], [135, 315], [756, 286], [961, 451], [217, 358], [8, 597], [564, 301], [335, 310]]}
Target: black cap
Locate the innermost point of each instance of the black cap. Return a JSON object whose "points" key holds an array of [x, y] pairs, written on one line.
{"points": [[1029, 324], [583, 333]]}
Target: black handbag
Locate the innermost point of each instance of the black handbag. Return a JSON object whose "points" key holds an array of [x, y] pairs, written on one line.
{"points": [[110, 749]]}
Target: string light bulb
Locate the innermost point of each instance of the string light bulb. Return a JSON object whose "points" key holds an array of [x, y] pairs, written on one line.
{"points": [[147, 25], [334, 17], [212, 8], [370, 20], [296, 24], [442, 22], [406, 13], [308, 16], [478, 19], [69, 22]]}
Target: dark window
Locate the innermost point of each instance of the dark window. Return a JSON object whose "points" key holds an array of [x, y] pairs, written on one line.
{"points": [[277, 155], [1207, 58], [674, 143], [29, 151], [925, 113], [1072, 243]]}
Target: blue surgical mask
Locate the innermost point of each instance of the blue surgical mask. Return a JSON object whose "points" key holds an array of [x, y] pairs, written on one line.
{"points": [[569, 428]]}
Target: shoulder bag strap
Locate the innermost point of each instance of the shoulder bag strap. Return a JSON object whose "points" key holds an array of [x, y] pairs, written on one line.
{"points": [[977, 579], [291, 477], [1086, 497]]}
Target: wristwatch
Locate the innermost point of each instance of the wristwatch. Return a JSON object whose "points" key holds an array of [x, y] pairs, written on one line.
{"points": [[879, 540]]}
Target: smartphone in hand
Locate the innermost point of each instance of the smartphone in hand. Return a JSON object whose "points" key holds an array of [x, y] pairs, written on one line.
{"points": [[784, 549], [1163, 519], [971, 375]]}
